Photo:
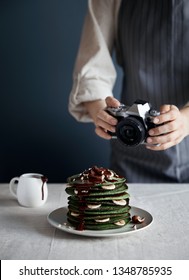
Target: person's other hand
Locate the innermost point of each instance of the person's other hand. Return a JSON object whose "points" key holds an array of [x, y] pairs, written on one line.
{"points": [[104, 122], [174, 126]]}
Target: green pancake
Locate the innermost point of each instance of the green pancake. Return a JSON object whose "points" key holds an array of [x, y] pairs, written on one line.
{"points": [[92, 207], [96, 192], [81, 179], [101, 210], [103, 198], [109, 221], [98, 199]]}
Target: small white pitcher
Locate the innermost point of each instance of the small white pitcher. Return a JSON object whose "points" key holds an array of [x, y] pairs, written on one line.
{"points": [[31, 190]]}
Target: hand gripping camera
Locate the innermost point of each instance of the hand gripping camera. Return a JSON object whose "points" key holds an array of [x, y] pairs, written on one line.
{"points": [[133, 122]]}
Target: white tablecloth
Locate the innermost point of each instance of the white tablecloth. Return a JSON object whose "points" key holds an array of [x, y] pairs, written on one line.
{"points": [[26, 234]]}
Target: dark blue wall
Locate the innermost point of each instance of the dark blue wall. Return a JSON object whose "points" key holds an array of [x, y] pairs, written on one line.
{"points": [[38, 46]]}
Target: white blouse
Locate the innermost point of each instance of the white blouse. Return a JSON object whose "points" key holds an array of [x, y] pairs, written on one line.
{"points": [[94, 72]]}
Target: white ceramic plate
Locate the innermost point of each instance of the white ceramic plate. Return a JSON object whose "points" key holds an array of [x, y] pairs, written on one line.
{"points": [[58, 219]]}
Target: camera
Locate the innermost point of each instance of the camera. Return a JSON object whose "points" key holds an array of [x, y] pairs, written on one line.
{"points": [[133, 122]]}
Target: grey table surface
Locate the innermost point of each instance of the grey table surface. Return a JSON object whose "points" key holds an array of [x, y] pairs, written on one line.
{"points": [[26, 234]]}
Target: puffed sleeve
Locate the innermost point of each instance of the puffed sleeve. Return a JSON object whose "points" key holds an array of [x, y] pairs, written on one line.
{"points": [[94, 72]]}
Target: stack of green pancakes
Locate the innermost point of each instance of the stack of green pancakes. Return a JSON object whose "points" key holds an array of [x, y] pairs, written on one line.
{"points": [[98, 200]]}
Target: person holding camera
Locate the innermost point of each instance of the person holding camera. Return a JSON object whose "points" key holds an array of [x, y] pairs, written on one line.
{"points": [[151, 42]]}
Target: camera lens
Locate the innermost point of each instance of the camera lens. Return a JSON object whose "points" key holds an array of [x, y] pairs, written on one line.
{"points": [[131, 131]]}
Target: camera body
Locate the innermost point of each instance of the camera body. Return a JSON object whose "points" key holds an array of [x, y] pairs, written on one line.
{"points": [[133, 122]]}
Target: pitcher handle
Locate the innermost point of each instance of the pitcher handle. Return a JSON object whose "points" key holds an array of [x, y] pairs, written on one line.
{"points": [[12, 186]]}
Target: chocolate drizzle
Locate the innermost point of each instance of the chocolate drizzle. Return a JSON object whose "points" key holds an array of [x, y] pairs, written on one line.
{"points": [[84, 182], [44, 180], [96, 175]]}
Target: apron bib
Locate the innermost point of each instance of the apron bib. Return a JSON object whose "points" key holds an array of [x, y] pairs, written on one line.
{"points": [[153, 38]]}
